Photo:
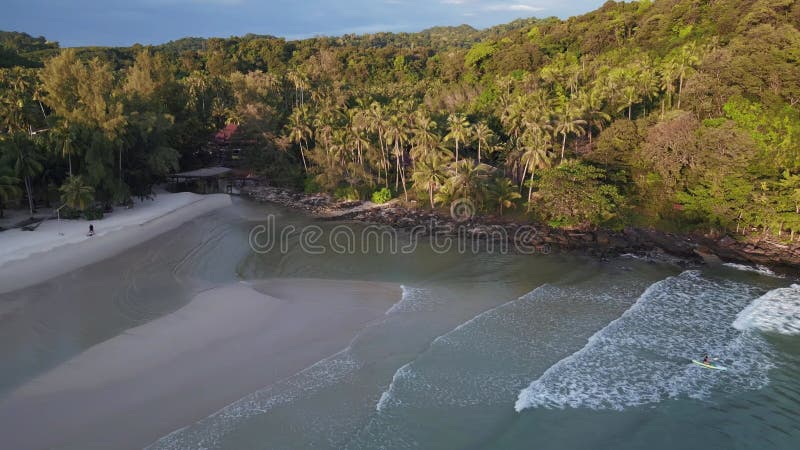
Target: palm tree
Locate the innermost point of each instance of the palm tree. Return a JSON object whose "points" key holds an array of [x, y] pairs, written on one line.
{"points": [[685, 59], [429, 175], [376, 123], [397, 135], [483, 136], [425, 140], [647, 83], [458, 130], [63, 142], [197, 84], [591, 104], [512, 116], [299, 131], [535, 156], [9, 189], [504, 193], [76, 194], [669, 74], [26, 162], [467, 178], [300, 84], [630, 91], [568, 122]]}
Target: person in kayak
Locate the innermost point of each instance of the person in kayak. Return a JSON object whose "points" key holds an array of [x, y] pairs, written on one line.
{"points": [[708, 361]]}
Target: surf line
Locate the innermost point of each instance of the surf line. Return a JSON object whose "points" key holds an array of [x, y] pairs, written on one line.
{"points": [[386, 396], [523, 399]]}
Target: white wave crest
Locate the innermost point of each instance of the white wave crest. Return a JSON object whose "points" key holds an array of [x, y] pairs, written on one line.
{"points": [[643, 356], [208, 432], [414, 300], [763, 270], [777, 311]]}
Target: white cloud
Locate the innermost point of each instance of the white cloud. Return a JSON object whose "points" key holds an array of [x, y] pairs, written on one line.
{"points": [[480, 5], [513, 7]]}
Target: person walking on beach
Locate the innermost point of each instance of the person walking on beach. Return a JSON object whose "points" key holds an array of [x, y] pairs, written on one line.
{"points": [[91, 230]]}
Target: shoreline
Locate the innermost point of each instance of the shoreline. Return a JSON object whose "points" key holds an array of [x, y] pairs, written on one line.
{"points": [[31, 257], [690, 248], [226, 343]]}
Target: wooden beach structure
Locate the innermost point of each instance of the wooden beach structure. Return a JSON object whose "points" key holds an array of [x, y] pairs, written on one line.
{"points": [[208, 180]]}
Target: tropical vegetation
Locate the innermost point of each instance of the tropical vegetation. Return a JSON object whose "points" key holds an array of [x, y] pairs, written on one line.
{"points": [[675, 114]]}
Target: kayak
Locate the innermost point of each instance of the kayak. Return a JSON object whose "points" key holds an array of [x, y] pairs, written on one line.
{"points": [[709, 366]]}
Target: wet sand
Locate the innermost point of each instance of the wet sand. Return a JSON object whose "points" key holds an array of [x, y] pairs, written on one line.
{"points": [[28, 258], [227, 342]]}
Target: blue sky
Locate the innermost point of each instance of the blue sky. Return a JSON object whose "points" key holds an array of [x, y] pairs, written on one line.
{"points": [[121, 22]]}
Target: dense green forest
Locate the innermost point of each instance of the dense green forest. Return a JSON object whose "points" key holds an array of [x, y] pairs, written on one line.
{"points": [[674, 114]]}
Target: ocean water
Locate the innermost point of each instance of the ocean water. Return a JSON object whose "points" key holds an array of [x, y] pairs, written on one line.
{"points": [[484, 350]]}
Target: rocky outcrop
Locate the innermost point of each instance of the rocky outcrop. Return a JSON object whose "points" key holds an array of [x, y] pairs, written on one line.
{"points": [[653, 244]]}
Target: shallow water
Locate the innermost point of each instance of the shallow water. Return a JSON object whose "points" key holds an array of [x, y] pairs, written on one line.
{"points": [[485, 350]]}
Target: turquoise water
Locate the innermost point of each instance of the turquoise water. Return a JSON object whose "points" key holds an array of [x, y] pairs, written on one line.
{"points": [[484, 350]]}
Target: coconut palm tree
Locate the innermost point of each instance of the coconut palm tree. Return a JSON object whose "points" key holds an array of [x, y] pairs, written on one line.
{"points": [[76, 194], [62, 139], [503, 192], [647, 82], [376, 123], [299, 132], [458, 130], [668, 74], [9, 189], [429, 174], [27, 162], [467, 178], [397, 135], [535, 155], [568, 122], [686, 59], [591, 104], [300, 83], [483, 136], [425, 140]]}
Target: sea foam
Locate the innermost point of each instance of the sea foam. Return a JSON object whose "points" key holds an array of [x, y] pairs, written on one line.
{"points": [[777, 311], [643, 356], [763, 270]]}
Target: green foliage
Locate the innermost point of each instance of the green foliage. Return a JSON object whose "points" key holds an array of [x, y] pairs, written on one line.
{"points": [[347, 193], [690, 108], [76, 194], [93, 214], [310, 186], [381, 196], [776, 129], [573, 194], [478, 53]]}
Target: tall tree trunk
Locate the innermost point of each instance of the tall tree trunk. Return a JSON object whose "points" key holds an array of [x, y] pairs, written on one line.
{"points": [[303, 156], [29, 190], [69, 161], [563, 146], [530, 191], [403, 178], [456, 155], [479, 151]]}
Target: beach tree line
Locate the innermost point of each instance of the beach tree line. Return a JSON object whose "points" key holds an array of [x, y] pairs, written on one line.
{"points": [[674, 114]]}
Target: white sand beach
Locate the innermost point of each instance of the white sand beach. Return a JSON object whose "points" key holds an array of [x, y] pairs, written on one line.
{"points": [[227, 342], [58, 247]]}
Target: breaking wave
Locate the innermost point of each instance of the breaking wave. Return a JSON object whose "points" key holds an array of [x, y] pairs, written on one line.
{"points": [[643, 356], [763, 270], [777, 311]]}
